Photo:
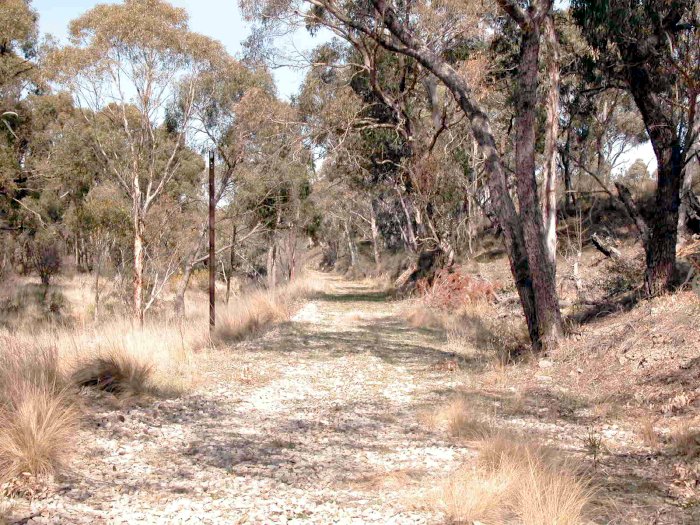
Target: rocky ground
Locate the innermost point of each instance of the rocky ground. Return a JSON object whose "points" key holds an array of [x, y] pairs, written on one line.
{"points": [[328, 419], [316, 422]]}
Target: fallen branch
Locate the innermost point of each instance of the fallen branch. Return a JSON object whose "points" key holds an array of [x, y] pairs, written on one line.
{"points": [[605, 247]]}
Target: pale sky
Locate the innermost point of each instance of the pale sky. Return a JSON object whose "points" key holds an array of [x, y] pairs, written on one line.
{"points": [[219, 19]]}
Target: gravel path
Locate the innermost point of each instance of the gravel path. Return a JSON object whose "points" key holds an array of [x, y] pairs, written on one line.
{"points": [[316, 422]]}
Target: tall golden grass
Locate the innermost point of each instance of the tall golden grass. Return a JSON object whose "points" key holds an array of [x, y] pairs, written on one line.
{"points": [[43, 369], [515, 481], [38, 414], [250, 314]]}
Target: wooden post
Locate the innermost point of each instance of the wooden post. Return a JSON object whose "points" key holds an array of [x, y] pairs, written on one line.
{"points": [[212, 245]]}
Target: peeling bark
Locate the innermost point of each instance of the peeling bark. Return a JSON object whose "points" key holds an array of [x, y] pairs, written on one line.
{"points": [[549, 209]]}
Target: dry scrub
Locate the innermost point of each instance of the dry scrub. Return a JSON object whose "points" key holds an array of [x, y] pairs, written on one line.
{"points": [[516, 482], [252, 313], [42, 372], [478, 330]]}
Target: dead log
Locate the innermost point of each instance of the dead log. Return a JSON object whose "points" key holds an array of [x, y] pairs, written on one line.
{"points": [[626, 197], [424, 268], [605, 247]]}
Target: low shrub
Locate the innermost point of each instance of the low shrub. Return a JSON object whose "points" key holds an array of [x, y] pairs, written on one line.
{"points": [[453, 289]]}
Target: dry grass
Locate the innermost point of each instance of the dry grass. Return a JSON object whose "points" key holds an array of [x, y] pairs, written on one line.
{"points": [[247, 316], [36, 432], [470, 495], [256, 311], [516, 482], [42, 369], [685, 440], [157, 360], [460, 418], [38, 414], [420, 316], [648, 433], [478, 330], [397, 479]]}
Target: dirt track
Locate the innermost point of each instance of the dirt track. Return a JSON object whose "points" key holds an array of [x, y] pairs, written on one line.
{"points": [[316, 422]]}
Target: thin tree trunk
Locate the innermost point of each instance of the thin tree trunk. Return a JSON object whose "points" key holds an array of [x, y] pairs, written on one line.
{"points": [[96, 313], [569, 195], [599, 146], [292, 244], [375, 236], [550, 150], [76, 252], [690, 174], [292, 247], [410, 232], [182, 290], [351, 246], [272, 265], [232, 263], [138, 265]]}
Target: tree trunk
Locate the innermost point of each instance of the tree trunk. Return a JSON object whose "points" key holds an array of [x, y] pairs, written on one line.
{"points": [[410, 232], [76, 252], [232, 263], [352, 249], [375, 236], [138, 264], [660, 246], [291, 266], [179, 303], [690, 174], [549, 210], [569, 195], [98, 264], [541, 269], [272, 265]]}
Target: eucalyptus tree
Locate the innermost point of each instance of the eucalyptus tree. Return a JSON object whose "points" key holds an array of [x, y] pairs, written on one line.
{"points": [[18, 38], [651, 49], [429, 33], [222, 95], [123, 65], [273, 187]]}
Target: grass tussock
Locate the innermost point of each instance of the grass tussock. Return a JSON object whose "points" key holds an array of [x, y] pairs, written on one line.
{"points": [[685, 441], [461, 419], [477, 330], [250, 314], [38, 412], [647, 432], [516, 482], [422, 317]]}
